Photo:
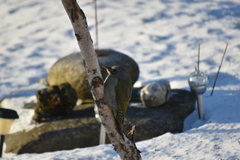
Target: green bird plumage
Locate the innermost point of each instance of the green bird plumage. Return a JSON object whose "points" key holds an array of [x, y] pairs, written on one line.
{"points": [[117, 92]]}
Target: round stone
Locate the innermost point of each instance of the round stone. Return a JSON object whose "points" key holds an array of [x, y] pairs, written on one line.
{"points": [[70, 69], [156, 93]]}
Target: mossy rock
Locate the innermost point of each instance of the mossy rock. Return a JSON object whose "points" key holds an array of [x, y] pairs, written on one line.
{"points": [[71, 69], [55, 101]]}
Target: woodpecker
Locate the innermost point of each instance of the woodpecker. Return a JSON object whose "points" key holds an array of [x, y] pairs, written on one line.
{"points": [[117, 92]]}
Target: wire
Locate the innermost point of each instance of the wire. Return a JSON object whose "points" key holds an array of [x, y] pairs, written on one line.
{"points": [[219, 69]]}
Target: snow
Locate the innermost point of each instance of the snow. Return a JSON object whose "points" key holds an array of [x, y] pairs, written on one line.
{"points": [[162, 37]]}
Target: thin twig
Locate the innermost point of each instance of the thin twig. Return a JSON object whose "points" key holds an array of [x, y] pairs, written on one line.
{"points": [[96, 23], [198, 57], [13, 91], [219, 68]]}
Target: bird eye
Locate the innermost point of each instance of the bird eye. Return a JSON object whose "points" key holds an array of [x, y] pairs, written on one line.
{"points": [[114, 71]]}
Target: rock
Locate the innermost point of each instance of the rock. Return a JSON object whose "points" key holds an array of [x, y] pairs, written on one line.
{"points": [[57, 100], [71, 69], [156, 93], [81, 129]]}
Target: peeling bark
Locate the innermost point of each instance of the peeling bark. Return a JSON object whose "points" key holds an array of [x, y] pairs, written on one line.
{"points": [[122, 145]]}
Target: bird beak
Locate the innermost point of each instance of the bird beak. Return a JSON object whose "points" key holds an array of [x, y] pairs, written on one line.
{"points": [[108, 69]]}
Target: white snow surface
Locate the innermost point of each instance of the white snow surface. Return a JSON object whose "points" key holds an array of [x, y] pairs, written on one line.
{"points": [[162, 36]]}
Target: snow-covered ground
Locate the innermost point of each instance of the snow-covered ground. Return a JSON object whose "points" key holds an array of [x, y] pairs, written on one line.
{"points": [[162, 36]]}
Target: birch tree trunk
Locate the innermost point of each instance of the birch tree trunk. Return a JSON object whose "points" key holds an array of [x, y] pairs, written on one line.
{"points": [[122, 145]]}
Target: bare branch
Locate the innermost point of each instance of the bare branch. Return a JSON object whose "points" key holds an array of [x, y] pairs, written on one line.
{"points": [[96, 23], [123, 146], [219, 69]]}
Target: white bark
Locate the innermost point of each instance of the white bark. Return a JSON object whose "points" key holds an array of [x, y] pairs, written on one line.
{"points": [[123, 146]]}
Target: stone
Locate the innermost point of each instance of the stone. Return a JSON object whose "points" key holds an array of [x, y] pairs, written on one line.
{"points": [[71, 69], [156, 93], [81, 129], [54, 101]]}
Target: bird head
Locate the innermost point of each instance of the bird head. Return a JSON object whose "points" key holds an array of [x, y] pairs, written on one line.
{"points": [[118, 71], [111, 70]]}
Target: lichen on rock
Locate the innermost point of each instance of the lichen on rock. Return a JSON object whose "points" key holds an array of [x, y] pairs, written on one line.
{"points": [[57, 100]]}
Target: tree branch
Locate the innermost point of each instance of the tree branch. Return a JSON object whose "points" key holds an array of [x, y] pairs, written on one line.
{"points": [[122, 145]]}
